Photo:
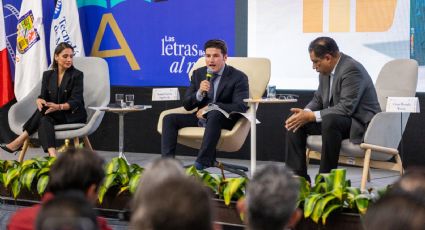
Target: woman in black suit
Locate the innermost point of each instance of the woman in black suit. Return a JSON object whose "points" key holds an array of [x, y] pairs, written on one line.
{"points": [[60, 102]]}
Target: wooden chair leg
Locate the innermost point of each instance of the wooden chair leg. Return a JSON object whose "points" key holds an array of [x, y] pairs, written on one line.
{"points": [[399, 164], [307, 157], [76, 142], [87, 143], [366, 165], [24, 150]]}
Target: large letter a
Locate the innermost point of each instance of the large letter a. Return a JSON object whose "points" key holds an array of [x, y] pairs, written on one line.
{"points": [[123, 51]]}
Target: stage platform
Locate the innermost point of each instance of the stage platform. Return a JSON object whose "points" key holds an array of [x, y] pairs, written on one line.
{"points": [[379, 178]]}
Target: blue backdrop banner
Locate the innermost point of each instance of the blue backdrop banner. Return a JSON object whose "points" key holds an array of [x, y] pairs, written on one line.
{"points": [[153, 43]]}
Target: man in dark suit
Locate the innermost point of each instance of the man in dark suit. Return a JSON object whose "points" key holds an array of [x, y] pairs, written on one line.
{"points": [[341, 108], [227, 88]]}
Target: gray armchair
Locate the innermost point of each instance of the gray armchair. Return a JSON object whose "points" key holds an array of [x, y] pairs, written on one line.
{"points": [[398, 78], [96, 93]]}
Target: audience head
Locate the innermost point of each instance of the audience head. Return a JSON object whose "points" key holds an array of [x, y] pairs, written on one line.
{"points": [[157, 171], [271, 199], [67, 211], [77, 169], [396, 211], [413, 181], [324, 54], [63, 51], [173, 203]]}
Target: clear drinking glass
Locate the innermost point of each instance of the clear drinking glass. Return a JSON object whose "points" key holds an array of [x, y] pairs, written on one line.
{"points": [[119, 100], [129, 100], [271, 91]]}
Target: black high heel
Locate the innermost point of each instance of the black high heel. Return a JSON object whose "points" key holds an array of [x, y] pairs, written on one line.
{"points": [[5, 148]]}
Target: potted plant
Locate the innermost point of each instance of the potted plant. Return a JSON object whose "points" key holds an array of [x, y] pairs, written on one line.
{"points": [[332, 197]]}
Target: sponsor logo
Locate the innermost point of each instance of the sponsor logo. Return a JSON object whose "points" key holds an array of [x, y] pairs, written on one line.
{"points": [[58, 9]]}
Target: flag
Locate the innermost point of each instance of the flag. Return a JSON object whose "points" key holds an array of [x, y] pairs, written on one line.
{"points": [[6, 90], [31, 58], [66, 27]]}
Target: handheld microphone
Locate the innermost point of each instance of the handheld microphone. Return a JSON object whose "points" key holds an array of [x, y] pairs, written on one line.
{"points": [[208, 77]]}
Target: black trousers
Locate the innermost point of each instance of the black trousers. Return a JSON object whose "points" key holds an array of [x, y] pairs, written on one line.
{"points": [[44, 124], [333, 128], [215, 121]]}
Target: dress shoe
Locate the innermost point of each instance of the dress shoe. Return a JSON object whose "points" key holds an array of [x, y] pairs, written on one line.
{"points": [[200, 166], [5, 148]]}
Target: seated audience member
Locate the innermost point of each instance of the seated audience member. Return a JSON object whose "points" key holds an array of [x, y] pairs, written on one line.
{"points": [[60, 101], [271, 199], [75, 170], [157, 171], [403, 207], [227, 88], [68, 211], [397, 211], [173, 203]]}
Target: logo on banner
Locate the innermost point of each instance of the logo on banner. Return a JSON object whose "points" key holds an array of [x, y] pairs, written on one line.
{"points": [[101, 3], [27, 34]]}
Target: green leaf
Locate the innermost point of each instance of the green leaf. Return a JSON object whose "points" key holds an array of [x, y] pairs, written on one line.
{"points": [[101, 194], [309, 204], [134, 182], [339, 182], [123, 166], [42, 184], [328, 211], [28, 164], [362, 202], [135, 168], [109, 181], [11, 164], [16, 188], [305, 189], [112, 166], [211, 180], [43, 171], [191, 171], [11, 175], [123, 189], [124, 179], [320, 206], [232, 186], [50, 160], [27, 177]]}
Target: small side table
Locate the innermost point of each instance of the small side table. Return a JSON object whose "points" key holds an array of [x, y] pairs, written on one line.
{"points": [[121, 112], [253, 103]]}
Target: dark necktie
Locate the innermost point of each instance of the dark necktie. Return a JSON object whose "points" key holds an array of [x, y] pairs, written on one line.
{"points": [[211, 91]]}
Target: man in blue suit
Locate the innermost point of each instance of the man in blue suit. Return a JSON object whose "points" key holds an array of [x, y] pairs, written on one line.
{"points": [[226, 88], [341, 108]]}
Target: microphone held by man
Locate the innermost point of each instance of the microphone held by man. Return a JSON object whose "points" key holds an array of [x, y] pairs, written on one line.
{"points": [[208, 77]]}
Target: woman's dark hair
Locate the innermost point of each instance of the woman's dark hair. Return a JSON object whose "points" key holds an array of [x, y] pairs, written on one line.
{"points": [[76, 169], [61, 46], [218, 44]]}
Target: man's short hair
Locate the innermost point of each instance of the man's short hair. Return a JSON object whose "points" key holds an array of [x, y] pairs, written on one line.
{"points": [[156, 171], [174, 203], [396, 211], [322, 46], [67, 211], [76, 169], [271, 197], [218, 44]]}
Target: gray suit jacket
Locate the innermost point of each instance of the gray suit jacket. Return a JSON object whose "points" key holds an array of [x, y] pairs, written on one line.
{"points": [[353, 95]]}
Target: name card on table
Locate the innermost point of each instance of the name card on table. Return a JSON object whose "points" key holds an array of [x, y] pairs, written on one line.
{"points": [[403, 104], [165, 94]]}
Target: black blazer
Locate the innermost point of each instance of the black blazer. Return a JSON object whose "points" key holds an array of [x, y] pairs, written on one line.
{"points": [[70, 91], [231, 91]]}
